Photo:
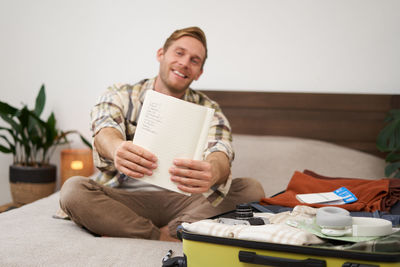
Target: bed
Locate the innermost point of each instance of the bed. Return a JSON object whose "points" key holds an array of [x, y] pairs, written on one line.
{"points": [[275, 134]]}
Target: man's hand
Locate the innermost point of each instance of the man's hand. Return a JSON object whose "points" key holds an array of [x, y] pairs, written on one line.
{"points": [[192, 176], [134, 160], [196, 176], [128, 158]]}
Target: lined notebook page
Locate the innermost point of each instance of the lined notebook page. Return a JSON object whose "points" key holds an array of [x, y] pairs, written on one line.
{"points": [[171, 128]]}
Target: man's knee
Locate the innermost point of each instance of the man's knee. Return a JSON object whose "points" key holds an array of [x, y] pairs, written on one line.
{"points": [[72, 191], [249, 187]]}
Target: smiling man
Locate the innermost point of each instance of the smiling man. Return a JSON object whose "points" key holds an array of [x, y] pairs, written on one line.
{"points": [[116, 204], [181, 62]]}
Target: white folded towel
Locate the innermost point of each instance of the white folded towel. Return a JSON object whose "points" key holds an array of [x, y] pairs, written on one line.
{"points": [[275, 233]]}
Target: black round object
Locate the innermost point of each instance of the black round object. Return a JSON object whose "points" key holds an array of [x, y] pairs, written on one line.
{"points": [[243, 212], [28, 174]]}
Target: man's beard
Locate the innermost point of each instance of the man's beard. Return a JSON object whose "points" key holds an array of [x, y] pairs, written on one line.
{"points": [[174, 89]]}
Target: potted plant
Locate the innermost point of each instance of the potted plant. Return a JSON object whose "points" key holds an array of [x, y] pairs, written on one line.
{"points": [[32, 142], [388, 141]]}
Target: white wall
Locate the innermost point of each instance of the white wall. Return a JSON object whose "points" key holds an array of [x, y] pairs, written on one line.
{"points": [[78, 48]]}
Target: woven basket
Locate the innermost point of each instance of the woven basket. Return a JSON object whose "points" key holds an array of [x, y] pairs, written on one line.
{"points": [[28, 184], [24, 193]]}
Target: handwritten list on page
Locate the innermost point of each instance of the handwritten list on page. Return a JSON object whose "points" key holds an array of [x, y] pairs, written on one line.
{"points": [[171, 128]]}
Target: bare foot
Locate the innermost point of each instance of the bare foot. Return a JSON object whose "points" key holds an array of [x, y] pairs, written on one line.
{"points": [[165, 236]]}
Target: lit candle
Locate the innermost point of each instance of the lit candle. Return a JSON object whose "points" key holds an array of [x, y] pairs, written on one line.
{"points": [[76, 165], [76, 162]]}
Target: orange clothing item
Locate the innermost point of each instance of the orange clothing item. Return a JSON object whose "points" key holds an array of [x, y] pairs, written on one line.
{"points": [[369, 192], [393, 196]]}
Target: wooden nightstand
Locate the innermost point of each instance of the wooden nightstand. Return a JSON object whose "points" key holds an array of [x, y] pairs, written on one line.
{"points": [[8, 206]]}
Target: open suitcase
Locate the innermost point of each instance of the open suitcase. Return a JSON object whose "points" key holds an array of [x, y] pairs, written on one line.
{"points": [[201, 250], [207, 251], [211, 250]]}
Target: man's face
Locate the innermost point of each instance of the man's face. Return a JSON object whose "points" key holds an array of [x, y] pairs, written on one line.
{"points": [[180, 64]]}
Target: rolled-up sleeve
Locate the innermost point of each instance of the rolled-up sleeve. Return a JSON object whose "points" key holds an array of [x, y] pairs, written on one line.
{"points": [[219, 140], [107, 112], [219, 135]]}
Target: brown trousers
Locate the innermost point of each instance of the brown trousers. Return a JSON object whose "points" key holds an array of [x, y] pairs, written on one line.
{"points": [[120, 213]]}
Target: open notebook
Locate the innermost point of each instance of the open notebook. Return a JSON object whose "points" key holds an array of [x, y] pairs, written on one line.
{"points": [[171, 128]]}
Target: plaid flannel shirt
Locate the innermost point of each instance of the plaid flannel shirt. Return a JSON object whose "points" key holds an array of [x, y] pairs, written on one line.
{"points": [[119, 107]]}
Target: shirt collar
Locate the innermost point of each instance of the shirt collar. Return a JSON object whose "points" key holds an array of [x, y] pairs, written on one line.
{"points": [[147, 85]]}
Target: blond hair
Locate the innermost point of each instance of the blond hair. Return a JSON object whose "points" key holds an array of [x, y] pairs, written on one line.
{"points": [[194, 32]]}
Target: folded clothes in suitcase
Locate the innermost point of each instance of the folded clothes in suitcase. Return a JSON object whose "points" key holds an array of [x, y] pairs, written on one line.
{"points": [[215, 247]]}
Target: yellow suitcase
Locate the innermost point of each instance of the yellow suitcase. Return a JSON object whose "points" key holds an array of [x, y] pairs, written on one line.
{"points": [[208, 251]]}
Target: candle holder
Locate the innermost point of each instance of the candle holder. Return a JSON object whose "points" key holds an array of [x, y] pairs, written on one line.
{"points": [[76, 162]]}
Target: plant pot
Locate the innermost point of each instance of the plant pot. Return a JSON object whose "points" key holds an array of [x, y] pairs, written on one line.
{"points": [[28, 184]]}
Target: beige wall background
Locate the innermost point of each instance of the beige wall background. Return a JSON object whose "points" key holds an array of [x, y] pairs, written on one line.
{"points": [[78, 48]]}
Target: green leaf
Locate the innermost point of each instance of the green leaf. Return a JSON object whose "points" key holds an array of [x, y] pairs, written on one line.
{"points": [[5, 139], [12, 133], [6, 109], [388, 139], [14, 125], [391, 169], [393, 156], [62, 137], [51, 130], [395, 113], [5, 149], [23, 116], [394, 142], [384, 136], [11, 147], [37, 131], [85, 141], [51, 122], [40, 101], [4, 128]]}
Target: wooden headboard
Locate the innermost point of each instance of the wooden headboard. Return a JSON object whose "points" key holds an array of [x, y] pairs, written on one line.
{"points": [[351, 120]]}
